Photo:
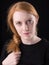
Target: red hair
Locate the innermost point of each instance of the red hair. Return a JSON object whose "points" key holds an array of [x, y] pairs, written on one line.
{"points": [[15, 41]]}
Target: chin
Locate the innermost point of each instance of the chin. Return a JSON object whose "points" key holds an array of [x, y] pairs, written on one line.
{"points": [[27, 37]]}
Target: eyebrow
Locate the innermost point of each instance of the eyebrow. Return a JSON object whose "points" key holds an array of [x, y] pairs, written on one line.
{"points": [[29, 19], [26, 19]]}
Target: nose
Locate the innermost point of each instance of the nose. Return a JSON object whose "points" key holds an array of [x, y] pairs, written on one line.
{"points": [[25, 27]]}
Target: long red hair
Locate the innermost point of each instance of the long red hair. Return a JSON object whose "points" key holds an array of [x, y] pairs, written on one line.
{"points": [[15, 41]]}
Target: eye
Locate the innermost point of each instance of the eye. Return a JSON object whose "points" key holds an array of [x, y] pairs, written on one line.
{"points": [[29, 21], [18, 23]]}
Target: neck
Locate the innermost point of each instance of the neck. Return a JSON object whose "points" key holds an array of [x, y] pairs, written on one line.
{"points": [[33, 40]]}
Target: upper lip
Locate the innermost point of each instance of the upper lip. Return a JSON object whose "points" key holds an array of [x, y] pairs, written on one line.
{"points": [[26, 32]]}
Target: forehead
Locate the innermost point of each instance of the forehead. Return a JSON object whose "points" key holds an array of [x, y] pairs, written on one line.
{"points": [[22, 15]]}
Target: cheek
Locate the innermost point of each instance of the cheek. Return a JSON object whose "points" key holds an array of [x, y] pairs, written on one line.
{"points": [[31, 27], [19, 30]]}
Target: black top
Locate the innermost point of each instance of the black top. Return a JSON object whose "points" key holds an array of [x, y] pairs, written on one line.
{"points": [[35, 54]]}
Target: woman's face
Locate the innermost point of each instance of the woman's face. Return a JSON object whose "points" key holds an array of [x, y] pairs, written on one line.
{"points": [[25, 24]]}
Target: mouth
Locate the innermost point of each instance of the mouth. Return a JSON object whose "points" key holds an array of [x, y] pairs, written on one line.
{"points": [[26, 33]]}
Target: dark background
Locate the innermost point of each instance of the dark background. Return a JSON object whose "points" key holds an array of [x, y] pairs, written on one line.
{"points": [[42, 7]]}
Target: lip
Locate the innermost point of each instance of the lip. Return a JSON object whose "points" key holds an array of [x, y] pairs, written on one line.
{"points": [[26, 33]]}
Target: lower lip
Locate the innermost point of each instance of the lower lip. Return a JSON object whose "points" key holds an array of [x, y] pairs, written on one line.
{"points": [[26, 33]]}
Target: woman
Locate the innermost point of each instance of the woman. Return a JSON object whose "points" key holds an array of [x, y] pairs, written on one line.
{"points": [[25, 48]]}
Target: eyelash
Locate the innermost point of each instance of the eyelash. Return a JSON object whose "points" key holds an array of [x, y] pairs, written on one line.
{"points": [[19, 23], [27, 22]]}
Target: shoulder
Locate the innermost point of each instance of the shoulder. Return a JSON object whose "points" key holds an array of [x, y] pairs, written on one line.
{"points": [[45, 42]]}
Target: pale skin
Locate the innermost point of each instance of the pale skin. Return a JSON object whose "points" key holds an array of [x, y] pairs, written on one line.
{"points": [[25, 25], [12, 58]]}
